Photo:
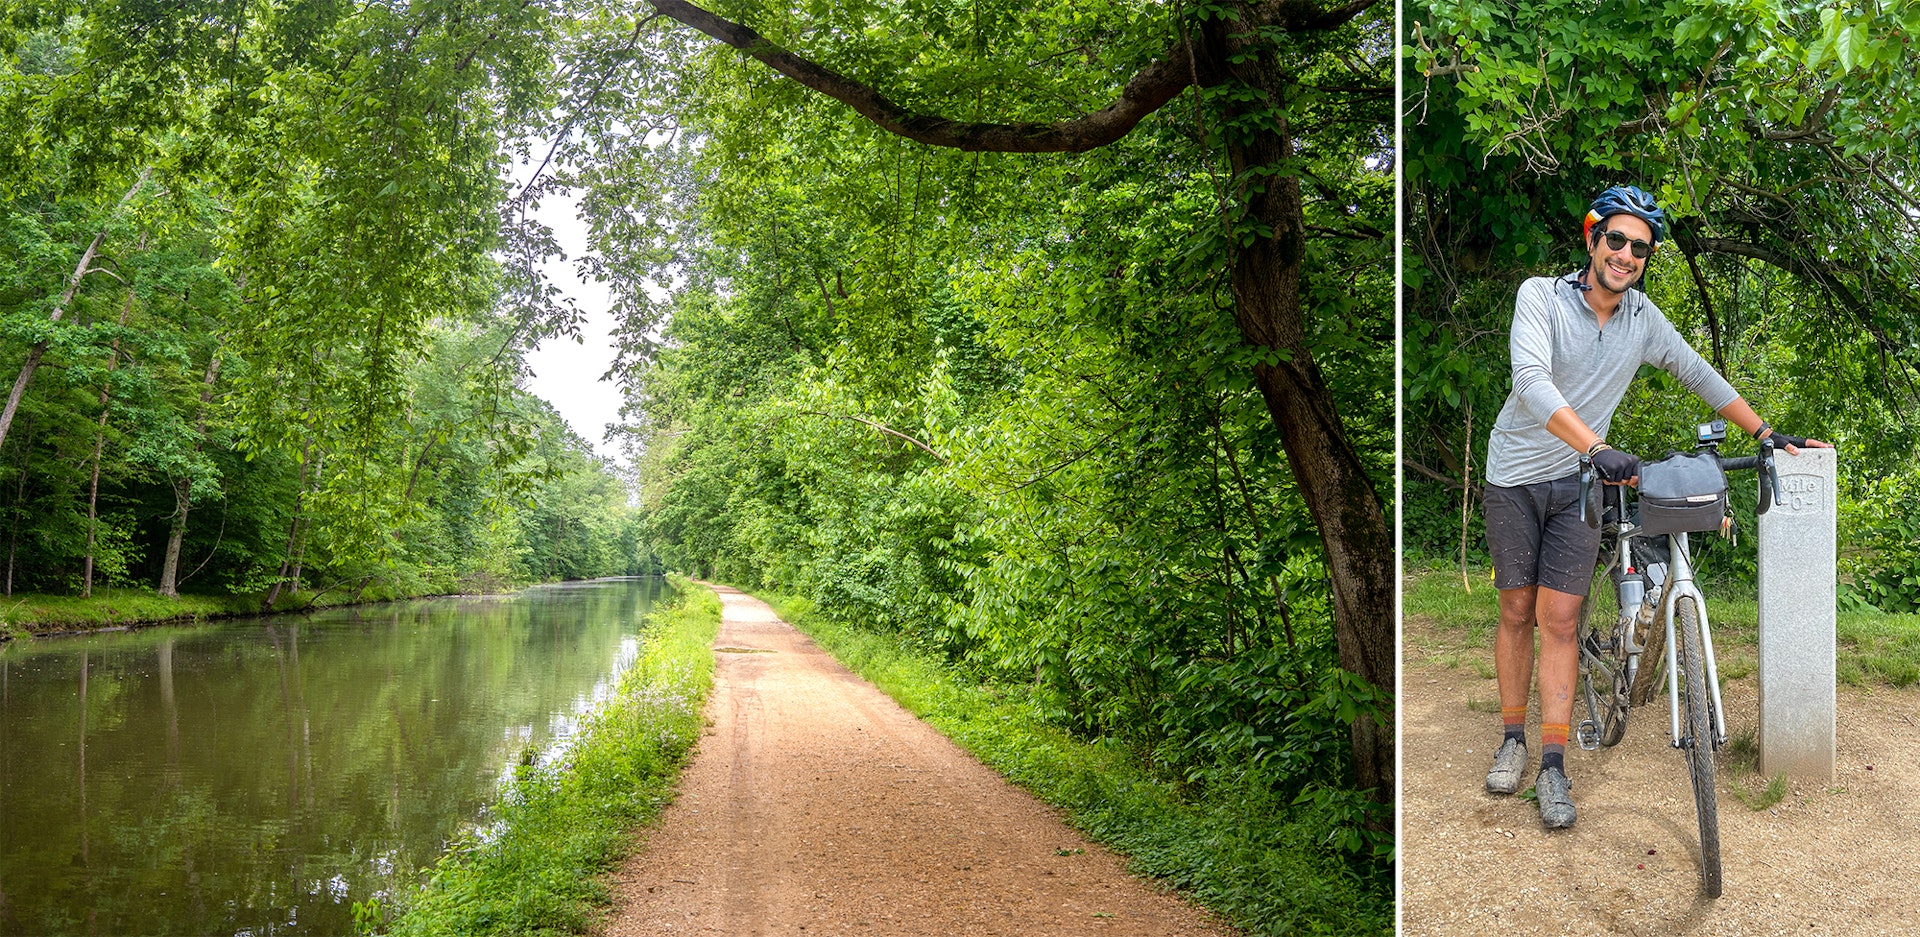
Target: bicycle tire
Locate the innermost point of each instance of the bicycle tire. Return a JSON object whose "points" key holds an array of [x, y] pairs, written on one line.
{"points": [[1697, 716], [1602, 603]]}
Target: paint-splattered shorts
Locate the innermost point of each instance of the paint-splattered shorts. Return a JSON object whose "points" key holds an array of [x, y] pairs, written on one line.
{"points": [[1537, 537]]}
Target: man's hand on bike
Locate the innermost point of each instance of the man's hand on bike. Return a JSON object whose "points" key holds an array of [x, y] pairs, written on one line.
{"points": [[1615, 467]]}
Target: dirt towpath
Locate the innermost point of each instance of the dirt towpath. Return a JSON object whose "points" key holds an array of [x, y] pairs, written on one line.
{"points": [[1830, 859], [817, 806]]}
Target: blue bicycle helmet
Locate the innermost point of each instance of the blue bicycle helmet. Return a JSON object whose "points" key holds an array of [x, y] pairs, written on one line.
{"points": [[1627, 200]]}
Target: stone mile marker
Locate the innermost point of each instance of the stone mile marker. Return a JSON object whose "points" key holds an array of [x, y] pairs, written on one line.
{"points": [[1797, 618]]}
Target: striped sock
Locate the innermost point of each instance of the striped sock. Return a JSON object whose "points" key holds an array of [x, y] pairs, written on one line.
{"points": [[1553, 746], [1514, 719]]}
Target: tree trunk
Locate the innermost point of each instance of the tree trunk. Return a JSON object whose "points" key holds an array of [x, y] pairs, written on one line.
{"points": [[299, 552], [182, 499], [93, 498], [66, 298], [99, 446], [304, 524], [19, 498], [1267, 288], [183, 487], [289, 562]]}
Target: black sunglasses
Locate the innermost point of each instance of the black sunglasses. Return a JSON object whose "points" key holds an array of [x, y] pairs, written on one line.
{"points": [[1641, 249]]}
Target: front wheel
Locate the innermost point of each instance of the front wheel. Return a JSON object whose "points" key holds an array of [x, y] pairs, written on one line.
{"points": [[1697, 721]]}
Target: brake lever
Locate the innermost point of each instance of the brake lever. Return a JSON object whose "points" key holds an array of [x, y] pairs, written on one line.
{"points": [[1770, 493], [1589, 511]]}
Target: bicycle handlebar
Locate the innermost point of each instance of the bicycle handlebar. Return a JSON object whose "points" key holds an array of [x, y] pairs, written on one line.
{"points": [[1770, 493], [1592, 508]]}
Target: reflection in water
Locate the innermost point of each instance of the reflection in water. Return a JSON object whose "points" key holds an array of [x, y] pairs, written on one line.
{"points": [[262, 775]]}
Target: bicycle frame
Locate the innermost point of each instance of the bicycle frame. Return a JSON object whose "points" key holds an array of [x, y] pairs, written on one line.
{"points": [[1673, 577], [1680, 584]]}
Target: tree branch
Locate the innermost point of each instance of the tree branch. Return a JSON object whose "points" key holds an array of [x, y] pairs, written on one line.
{"points": [[1823, 274], [882, 427], [1447, 480], [1308, 16], [1359, 232], [1706, 305], [1809, 126], [1160, 82]]}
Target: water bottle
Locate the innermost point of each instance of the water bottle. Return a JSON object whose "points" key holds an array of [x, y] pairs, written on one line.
{"points": [[1633, 591]]}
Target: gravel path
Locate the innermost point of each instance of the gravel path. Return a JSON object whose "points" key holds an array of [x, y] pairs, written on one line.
{"points": [[817, 806], [1839, 858]]}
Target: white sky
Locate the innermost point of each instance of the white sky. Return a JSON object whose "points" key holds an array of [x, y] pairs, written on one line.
{"points": [[567, 374]]}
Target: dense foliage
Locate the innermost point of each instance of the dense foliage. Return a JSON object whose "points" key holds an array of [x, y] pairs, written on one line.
{"points": [[1781, 138], [1001, 403], [250, 302]]}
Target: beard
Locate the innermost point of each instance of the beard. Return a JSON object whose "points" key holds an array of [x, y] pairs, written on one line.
{"points": [[1606, 278]]}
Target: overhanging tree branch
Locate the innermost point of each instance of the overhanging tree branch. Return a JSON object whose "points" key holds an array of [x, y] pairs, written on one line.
{"points": [[1153, 87], [1149, 90], [1825, 275], [1306, 15]]}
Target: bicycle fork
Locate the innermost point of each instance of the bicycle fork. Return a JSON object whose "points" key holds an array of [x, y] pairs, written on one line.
{"points": [[1680, 584]]}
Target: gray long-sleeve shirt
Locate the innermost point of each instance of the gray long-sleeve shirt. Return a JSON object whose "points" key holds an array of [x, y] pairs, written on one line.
{"points": [[1563, 358]]}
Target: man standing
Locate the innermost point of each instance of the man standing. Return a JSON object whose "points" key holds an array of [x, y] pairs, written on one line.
{"points": [[1576, 343]]}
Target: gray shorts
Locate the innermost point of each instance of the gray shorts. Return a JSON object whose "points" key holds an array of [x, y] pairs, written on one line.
{"points": [[1537, 537]]}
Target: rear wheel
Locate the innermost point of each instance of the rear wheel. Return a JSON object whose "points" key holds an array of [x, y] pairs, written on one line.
{"points": [[1605, 691], [1696, 713], [1653, 663], [1613, 725], [1605, 672]]}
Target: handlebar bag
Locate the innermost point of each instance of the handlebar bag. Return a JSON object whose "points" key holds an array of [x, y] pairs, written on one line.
{"points": [[1683, 493]]}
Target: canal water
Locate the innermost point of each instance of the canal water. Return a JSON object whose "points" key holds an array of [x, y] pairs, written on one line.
{"points": [[259, 776]]}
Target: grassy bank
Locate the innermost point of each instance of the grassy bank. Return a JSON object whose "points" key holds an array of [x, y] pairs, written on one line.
{"points": [[1244, 853], [34, 613], [561, 825], [1454, 626]]}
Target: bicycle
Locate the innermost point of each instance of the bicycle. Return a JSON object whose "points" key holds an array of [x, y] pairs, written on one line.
{"points": [[1649, 563]]}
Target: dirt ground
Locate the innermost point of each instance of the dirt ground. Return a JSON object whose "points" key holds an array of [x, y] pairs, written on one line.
{"points": [[1838, 858], [817, 806]]}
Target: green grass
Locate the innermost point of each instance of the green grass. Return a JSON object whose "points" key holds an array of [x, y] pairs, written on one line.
{"points": [[1872, 648], [1443, 598], [33, 613], [1774, 791], [1243, 852], [1742, 751], [1742, 754], [561, 826], [1877, 647], [37, 613]]}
